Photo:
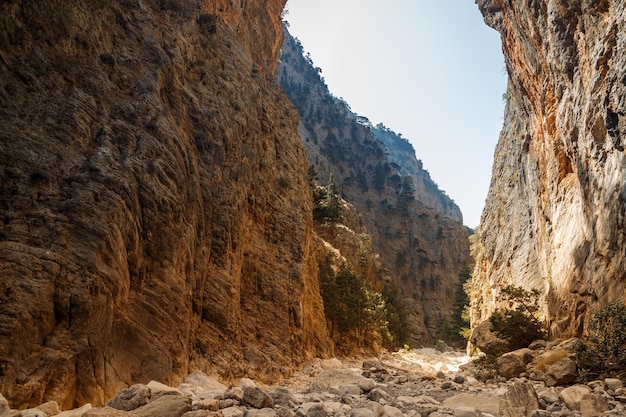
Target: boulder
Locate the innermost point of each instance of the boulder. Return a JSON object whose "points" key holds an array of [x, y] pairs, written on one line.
{"points": [[613, 384], [106, 412], [466, 411], [201, 413], [208, 404], [317, 410], [130, 398], [362, 412], [164, 406], [486, 340], [284, 397], [263, 412], [351, 389], [378, 394], [51, 408], [366, 384], [201, 379], [232, 412], [256, 397], [392, 411], [33, 412], [561, 372], [480, 401], [157, 389], [333, 363], [510, 366], [520, 400], [572, 396], [77, 412], [592, 405]]}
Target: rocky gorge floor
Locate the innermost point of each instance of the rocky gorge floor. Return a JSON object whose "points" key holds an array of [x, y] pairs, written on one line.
{"points": [[418, 383]]}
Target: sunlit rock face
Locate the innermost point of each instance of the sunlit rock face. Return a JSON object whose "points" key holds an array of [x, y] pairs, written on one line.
{"points": [[554, 216], [156, 215]]}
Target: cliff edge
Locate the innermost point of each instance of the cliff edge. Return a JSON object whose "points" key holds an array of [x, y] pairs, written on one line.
{"points": [[555, 213], [154, 199]]}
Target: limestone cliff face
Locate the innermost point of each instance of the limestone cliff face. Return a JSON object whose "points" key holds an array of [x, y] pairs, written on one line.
{"points": [[423, 246], [154, 199], [555, 214]]}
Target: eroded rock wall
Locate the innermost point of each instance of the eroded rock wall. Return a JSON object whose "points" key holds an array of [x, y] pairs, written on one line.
{"points": [[153, 196], [554, 217]]}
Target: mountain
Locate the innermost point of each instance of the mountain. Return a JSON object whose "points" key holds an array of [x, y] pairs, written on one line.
{"points": [[414, 227], [554, 218], [155, 205]]}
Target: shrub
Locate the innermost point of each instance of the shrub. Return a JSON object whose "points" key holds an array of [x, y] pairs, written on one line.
{"points": [[603, 354], [518, 324]]}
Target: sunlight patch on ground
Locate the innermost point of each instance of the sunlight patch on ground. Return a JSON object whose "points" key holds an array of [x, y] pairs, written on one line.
{"points": [[431, 360]]}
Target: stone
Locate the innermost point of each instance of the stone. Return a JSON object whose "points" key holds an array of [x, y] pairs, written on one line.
{"points": [[232, 412], [593, 405], [158, 389], [483, 402], [392, 411], [234, 393], [256, 397], [76, 412], [613, 384], [362, 412], [332, 363], [375, 407], [202, 413], [486, 340], [465, 411], [316, 410], [510, 366], [203, 380], [520, 400], [366, 384], [351, 389], [538, 345], [283, 396], [549, 396], [378, 394], [51, 408], [541, 413], [262, 412], [33, 412], [131, 398], [572, 396], [106, 412], [167, 405], [562, 372], [372, 363], [209, 404]]}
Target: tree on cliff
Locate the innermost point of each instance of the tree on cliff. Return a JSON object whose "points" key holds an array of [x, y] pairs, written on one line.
{"points": [[327, 202]]}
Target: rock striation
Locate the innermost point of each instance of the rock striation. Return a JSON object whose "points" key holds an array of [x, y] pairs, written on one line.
{"points": [[153, 199], [554, 218]]}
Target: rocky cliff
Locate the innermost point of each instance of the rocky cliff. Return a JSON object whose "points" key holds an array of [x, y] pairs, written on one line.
{"points": [[154, 199], [555, 214], [412, 224]]}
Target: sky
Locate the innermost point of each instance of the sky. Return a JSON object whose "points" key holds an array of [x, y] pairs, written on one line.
{"points": [[429, 70]]}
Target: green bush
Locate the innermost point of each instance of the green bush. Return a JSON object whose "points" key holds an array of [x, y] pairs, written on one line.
{"points": [[518, 324], [603, 354]]}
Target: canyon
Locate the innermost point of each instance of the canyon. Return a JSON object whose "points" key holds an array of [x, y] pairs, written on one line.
{"points": [[157, 214]]}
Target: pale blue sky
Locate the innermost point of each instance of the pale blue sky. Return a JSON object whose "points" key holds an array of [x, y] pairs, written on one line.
{"points": [[430, 70]]}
